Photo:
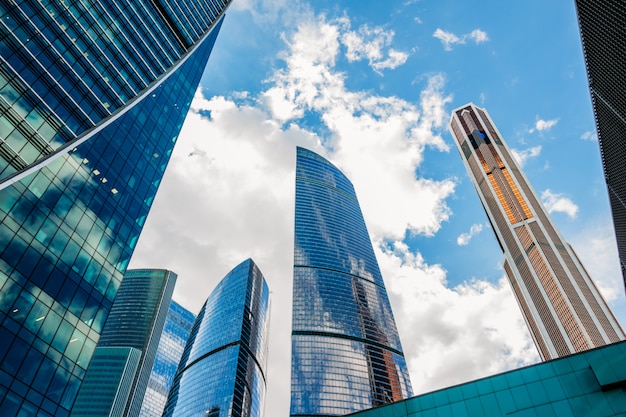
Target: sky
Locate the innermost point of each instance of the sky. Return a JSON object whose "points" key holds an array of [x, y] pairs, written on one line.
{"points": [[371, 85]]}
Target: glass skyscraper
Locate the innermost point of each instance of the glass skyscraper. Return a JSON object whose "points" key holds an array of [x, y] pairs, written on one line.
{"points": [[127, 348], [346, 353], [564, 310], [602, 26], [93, 94], [178, 323], [223, 369]]}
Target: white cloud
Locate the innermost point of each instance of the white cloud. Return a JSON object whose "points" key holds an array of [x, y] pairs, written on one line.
{"points": [[272, 12], [448, 38], [521, 156], [464, 238], [543, 125], [478, 36], [555, 202], [452, 335], [371, 43], [595, 245], [228, 194], [589, 135]]}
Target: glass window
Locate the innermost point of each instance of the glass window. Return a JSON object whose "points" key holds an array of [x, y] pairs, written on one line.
{"points": [[30, 366]]}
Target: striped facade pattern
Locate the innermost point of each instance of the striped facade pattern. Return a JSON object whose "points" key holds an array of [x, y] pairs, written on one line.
{"points": [[603, 32], [561, 305]]}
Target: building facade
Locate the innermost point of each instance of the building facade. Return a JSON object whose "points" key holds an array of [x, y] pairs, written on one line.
{"points": [[603, 32], [563, 309], [589, 384], [223, 370], [178, 323], [93, 96], [132, 331], [346, 353]]}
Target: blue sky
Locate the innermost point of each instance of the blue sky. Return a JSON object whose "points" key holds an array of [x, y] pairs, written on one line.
{"points": [[370, 85]]}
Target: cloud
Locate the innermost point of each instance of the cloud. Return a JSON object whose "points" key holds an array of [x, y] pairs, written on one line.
{"points": [[555, 202], [543, 125], [589, 135], [478, 36], [268, 13], [452, 335], [448, 38], [228, 194], [464, 238], [521, 156], [596, 247], [370, 43]]}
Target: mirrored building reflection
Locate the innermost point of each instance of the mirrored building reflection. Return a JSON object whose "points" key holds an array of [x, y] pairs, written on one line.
{"points": [[563, 309], [92, 96], [115, 384], [346, 353], [178, 323], [223, 370]]}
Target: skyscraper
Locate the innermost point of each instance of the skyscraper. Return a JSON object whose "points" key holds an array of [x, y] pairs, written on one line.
{"points": [[562, 307], [178, 323], [223, 370], [127, 348], [603, 32], [92, 96], [346, 353]]}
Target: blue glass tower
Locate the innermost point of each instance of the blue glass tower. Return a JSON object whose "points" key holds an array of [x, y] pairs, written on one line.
{"points": [[178, 324], [92, 96], [223, 369], [128, 345], [346, 353]]}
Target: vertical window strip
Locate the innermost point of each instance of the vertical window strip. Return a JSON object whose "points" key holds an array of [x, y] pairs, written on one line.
{"points": [[112, 22], [568, 289], [530, 319], [92, 42], [177, 13], [518, 196], [174, 31], [143, 42], [45, 70], [503, 201]]}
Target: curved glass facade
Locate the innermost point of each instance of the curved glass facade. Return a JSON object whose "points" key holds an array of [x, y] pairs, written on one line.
{"points": [[346, 353], [222, 372], [178, 324], [68, 66], [79, 172], [563, 309]]}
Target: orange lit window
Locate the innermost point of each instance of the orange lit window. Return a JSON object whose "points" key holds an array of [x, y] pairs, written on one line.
{"points": [[517, 194], [502, 200]]}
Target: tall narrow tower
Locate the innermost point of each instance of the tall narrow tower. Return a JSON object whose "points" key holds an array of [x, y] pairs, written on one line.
{"points": [[223, 370], [563, 308], [116, 387], [178, 323], [346, 353]]}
